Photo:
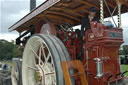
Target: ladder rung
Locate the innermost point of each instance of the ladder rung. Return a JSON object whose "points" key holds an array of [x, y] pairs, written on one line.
{"points": [[77, 74]]}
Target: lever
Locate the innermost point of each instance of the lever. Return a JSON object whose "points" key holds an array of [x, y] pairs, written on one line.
{"points": [[118, 75], [124, 73], [110, 77]]}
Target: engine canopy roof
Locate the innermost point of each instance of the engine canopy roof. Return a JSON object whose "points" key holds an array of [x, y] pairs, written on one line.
{"points": [[58, 11]]}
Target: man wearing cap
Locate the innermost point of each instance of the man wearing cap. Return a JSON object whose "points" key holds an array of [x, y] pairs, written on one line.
{"points": [[85, 25], [85, 22]]}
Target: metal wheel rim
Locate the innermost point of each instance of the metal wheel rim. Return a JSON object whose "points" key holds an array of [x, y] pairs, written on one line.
{"points": [[35, 61]]}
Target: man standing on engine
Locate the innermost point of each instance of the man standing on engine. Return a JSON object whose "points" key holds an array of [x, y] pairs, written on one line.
{"points": [[85, 24]]}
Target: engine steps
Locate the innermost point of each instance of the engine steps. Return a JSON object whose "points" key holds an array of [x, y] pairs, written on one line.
{"points": [[77, 65]]}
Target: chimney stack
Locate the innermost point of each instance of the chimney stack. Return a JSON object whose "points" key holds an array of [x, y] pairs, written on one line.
{"points": [[32, 4]]}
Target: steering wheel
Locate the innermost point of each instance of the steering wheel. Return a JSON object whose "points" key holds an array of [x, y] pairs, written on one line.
{"points": [[97, 29]]}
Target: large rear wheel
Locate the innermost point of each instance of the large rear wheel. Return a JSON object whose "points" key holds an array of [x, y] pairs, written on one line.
{"points": [[42, 61]]}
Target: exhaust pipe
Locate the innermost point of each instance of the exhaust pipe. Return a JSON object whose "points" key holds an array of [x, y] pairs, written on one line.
{"points": [[32, 4]]}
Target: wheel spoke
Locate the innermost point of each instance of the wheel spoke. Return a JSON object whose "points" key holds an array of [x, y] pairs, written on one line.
{"points": [[32, 68], [36, 55], [50, 73], [48, 57], [43, 52], [52, 63], [44, 55], [39, 55]]}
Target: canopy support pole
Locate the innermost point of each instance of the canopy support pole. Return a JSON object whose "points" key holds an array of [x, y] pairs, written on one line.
{"points": [[101, 11], [119, 15]]}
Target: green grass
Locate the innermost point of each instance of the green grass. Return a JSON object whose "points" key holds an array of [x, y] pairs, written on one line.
{"points": [[125, 68]]}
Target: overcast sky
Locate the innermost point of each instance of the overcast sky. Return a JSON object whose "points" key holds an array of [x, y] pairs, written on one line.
{"points": [[13, 10], [10, 12]]}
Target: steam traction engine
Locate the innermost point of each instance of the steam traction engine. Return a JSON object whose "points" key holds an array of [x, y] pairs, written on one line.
{"points": [[52, 55]]}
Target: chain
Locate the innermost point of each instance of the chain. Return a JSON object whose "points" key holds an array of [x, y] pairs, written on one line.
{"points": [[119, 15], [101, 12]]}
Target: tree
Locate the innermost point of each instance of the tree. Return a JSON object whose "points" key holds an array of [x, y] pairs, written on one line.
{"points": [[8, 50], [125, 49], [121, 52]]}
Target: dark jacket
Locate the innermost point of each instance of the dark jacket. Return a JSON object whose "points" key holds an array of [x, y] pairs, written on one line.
{"points": [[85, 24]]}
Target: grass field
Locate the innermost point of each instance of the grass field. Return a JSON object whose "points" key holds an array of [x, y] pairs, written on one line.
{"points": [[125, 68]]}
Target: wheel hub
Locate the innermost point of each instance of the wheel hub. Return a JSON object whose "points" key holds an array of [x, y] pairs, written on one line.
{"points": [[39, 76], [45, 73]]}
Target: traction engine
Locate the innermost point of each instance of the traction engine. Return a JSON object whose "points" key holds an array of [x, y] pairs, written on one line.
{"points": [[55, 54]]}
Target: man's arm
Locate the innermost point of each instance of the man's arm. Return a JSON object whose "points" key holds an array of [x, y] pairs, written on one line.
{"points": [[96, 19], [83, 23]]}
